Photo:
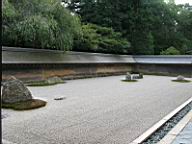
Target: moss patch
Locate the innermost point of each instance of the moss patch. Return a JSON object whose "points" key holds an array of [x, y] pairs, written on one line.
{"points": [[25, 105], [42, 83], [182, 81], [129, 80]]}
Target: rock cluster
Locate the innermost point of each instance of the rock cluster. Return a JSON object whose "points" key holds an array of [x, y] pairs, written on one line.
{"points": [[130, 77]]}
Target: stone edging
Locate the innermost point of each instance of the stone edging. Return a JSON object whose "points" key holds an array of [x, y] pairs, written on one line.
{"points": [[170, 137], [159, 124]]}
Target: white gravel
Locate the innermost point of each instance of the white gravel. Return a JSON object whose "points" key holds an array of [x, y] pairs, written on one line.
{"points": [[95, 111]]}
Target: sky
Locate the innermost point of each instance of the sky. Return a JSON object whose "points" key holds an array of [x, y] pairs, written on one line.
{"points": [[183, 1]]}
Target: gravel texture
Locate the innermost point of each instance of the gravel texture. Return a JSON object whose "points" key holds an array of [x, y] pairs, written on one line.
{"points": [[95, 111]]}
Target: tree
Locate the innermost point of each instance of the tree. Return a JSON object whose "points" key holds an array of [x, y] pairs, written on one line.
{"points": [[135, 19], [39, 24], [140, 21], [184, 26], [102, 39]]}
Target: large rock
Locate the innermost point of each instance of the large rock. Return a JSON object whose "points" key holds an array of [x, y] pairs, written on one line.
{"points": [[15, 91]]}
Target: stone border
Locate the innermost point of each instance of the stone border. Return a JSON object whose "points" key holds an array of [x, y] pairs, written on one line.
{"points": [[159, 124], [170, 137]]}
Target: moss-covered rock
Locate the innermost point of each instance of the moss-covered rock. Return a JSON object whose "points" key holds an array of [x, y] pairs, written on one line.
{"points": [[16, 95], [48, 82], [14, 91]]}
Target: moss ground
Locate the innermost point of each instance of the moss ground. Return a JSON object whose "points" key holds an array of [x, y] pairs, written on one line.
{"points": [[25, 105], [183, 81], [41, 83], [129, 80]]}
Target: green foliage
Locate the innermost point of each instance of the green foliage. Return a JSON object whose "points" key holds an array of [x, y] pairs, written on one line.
{"points": [[144, 44], [181, 81], [39, 24], [150, 25], [101, 39], [170, 51]]}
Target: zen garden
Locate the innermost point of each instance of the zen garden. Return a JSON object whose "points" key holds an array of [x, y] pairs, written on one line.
{"points": [[96, 72]]}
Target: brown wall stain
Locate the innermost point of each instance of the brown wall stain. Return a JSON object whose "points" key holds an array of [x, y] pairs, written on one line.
{"points": [[56, 72], [72, 71], [113, 69]]}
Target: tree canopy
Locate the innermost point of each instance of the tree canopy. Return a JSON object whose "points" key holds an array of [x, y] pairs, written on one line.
{"points": [[39, 24], [107, 26], [150, 25], [101, 39]]}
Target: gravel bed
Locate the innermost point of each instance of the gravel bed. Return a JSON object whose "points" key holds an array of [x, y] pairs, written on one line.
{"points": [[159, 134]]}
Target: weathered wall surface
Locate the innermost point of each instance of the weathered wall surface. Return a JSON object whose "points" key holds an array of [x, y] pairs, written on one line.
{"points": [[66, 71], [164, 69], [32, 64], [164, 65]]}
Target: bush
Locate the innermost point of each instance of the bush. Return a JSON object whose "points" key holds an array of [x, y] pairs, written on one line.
{"points": [[171, 51], [101, 39], [39, 24]]}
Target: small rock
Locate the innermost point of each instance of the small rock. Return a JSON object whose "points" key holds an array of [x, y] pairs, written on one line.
{"points": [[15, 91], [4, 116], [180, 78], [60, 98]]}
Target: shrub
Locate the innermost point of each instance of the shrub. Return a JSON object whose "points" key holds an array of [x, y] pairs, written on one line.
{"points": [[171, 51]]}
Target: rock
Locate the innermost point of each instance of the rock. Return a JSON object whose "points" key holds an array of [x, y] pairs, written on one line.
{"points": [[128, 76], [140, 75], [180, 78], [15, 91], [134, 77], [60, 98], [4, 115], [54, 80]]}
